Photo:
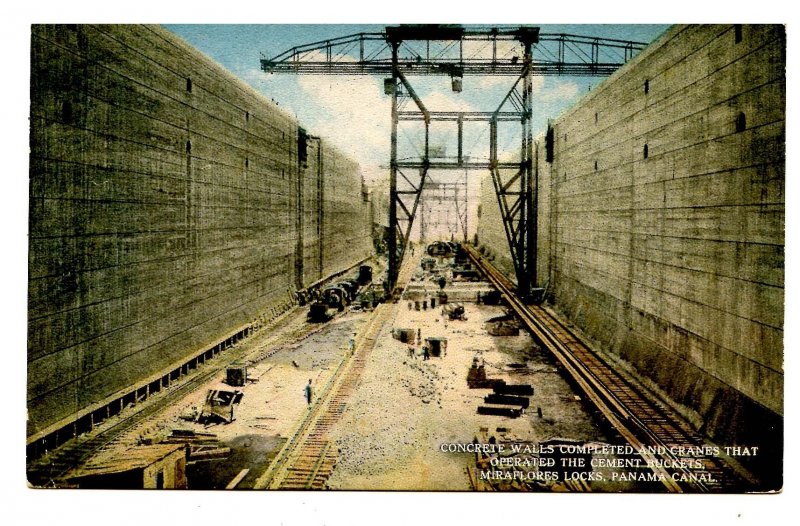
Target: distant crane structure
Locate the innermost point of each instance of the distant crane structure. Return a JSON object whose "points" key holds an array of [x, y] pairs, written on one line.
{"points": [[455, 51], [444, 209]]}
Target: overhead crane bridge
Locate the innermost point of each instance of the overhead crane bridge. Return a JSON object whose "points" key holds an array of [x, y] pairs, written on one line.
{"points": [[455, 51]]}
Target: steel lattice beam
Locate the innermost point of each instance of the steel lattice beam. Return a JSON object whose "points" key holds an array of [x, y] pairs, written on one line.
{"points": [[470, 68], [402, 51], [372, 53]]}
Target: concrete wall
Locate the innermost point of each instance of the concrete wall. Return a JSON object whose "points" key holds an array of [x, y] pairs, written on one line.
{"points": [[674, 262], [347, 226], [379, 212], [164, 211], [335, 209]]}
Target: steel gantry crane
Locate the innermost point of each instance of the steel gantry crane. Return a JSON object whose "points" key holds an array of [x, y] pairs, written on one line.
{"points": [[518, 52], [445, 198]]}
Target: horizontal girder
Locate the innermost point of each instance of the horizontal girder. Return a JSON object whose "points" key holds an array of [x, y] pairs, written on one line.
{"points": [[414, 68], [371, 53], [465, 116], [454, 165]]}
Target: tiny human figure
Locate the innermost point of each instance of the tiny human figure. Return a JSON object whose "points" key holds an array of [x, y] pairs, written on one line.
{"points": [[309, 392], [419, 336], [411, 352], [425, 353], [352, 344]]}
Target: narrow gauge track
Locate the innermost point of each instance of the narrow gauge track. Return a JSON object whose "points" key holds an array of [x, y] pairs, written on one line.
{"points": [[308, 458], [50, 469], [650, 427]]}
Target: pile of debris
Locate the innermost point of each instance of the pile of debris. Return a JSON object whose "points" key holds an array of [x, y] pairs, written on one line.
{"points": [[201, 446], [422, 383], [506, 325]]}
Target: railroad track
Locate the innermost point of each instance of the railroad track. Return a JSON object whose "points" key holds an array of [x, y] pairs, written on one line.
{"points": [[308, 458], [662, 439], [51, 469]]}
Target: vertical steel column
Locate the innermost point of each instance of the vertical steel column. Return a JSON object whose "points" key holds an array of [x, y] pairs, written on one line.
{"points": [[530, 178], [493, 144], [394, 262], [460, 138], [422, 225], [466, 207], [521, 240]]}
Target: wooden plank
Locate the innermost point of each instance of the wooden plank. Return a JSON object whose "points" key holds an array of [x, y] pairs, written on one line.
{"points": [[237, 479]]}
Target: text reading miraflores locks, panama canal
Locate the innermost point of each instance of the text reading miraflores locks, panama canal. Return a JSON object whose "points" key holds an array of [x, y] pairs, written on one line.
{"points": [[595, 462]]}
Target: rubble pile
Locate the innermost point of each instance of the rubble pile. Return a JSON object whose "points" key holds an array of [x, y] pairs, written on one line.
{"points": [[422, 382]]}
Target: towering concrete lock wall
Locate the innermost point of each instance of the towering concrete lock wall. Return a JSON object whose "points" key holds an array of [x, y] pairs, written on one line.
{"points": [[168, 209], [661, 224]]}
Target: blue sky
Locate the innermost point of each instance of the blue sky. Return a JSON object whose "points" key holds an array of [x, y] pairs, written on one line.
{"points": [[353, 113]]}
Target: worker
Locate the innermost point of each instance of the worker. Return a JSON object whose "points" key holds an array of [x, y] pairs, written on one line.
{"points": [[425, 352], [419, 336], [411, 352], [309, 392]]}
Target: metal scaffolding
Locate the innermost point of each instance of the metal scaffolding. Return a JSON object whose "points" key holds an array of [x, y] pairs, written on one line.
{"points": [[519, 52]]}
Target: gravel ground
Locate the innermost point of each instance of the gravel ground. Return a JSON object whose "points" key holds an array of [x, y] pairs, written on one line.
{"points": [[405, 408], [269, 410]]}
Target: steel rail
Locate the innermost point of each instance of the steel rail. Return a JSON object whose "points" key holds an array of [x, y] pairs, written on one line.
{"points": [[54, 466], [641, 422], [308, 457]]}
